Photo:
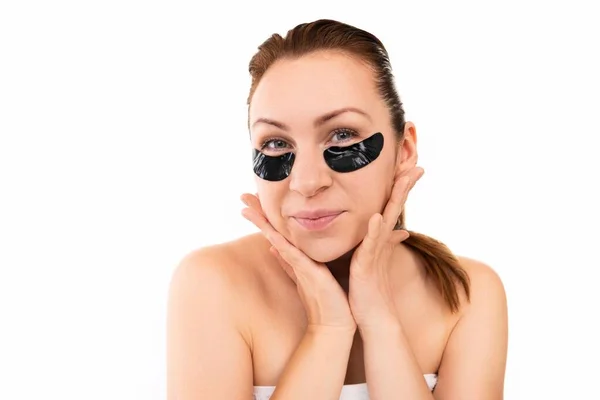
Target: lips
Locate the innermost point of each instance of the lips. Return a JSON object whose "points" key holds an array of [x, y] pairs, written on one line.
{"points": [[316, 219], [315, 214]]}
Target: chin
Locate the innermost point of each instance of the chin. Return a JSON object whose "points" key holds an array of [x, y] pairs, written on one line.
{"points": [[325, 250]]}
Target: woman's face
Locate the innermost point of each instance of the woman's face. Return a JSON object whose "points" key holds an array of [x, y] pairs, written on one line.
{"points": [[287, 115]]}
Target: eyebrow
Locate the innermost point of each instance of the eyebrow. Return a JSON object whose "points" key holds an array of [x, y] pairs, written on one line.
{"points": [[318, 122]]}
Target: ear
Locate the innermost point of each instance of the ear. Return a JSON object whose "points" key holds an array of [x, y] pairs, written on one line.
{"points": [[406, 157]]}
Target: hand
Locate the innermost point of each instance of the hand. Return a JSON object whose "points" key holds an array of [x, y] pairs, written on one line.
{"points": [[323, 298], [370, 297]]}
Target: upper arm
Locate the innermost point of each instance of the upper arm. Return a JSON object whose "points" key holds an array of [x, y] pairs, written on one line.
{"points": [[207, 356], [474, 361]]}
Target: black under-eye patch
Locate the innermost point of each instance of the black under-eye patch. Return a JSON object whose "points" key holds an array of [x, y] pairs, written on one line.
{"points": [[338, 158], [273, 168], [356, 156]]}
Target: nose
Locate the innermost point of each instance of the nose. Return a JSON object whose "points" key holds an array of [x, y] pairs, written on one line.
{"points": [[310, 174]]}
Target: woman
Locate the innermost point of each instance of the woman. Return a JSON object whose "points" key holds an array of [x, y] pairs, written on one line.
{"points": [[333, 298]]}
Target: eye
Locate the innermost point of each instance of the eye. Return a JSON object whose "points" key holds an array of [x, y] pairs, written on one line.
{"points": [[274, 145], [344, 134]]}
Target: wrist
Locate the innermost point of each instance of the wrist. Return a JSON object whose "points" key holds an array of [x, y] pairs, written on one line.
{"points": [[390, 326], [331, 331], [335, 339]]}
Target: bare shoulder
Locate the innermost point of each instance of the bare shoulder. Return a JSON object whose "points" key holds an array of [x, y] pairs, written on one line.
{"points": [[220, 276], [237, 276], [207, 324], [474, 360], [220, 267], [485, 283]]}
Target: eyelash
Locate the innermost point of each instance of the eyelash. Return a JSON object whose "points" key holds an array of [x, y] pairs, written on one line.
{"points": [[348, 131]]}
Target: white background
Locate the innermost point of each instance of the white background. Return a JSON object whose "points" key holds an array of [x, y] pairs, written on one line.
{"points": [[124, 147]]}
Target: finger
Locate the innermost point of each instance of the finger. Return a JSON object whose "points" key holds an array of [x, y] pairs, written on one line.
{"points": [[398, 198], [258, 219], [261, 222], [252, 201], [288, 252], [416, 174], [369, 244], [395, 204], [284, 265]]}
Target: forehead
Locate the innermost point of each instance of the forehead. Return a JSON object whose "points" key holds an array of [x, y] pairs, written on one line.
{"points": [[296, 91]]}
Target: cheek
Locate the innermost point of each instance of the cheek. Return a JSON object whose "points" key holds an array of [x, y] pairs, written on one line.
{"points": [[370, 188], [371, 200], [271, 197]]}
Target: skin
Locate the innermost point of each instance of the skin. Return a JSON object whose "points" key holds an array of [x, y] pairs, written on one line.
{"points": [[237, 313]]}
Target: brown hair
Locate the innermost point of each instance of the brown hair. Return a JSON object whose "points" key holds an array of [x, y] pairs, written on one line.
{"points": [[325, 34]]}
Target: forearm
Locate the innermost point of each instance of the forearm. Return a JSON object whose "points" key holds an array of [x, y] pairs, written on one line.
{"points": [[317, 368], [391, 369]]}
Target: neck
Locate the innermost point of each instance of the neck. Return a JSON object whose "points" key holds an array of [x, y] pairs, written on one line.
{"points": [[340, 269]]}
